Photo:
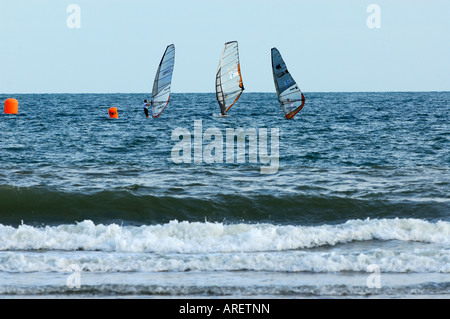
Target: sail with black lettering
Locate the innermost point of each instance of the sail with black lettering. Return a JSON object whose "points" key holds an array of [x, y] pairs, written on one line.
{"points": [[163, 81], [229, 86], [289, 94]]}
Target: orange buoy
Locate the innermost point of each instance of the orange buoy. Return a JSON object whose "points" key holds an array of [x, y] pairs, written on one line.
{"points": [[11, 106], [113, 113]]}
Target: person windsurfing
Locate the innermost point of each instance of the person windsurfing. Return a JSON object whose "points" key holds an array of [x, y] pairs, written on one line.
{"points": [[146, 105]]}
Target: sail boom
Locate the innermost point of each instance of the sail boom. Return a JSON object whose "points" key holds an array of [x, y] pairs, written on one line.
{"points": [[231, 80]]}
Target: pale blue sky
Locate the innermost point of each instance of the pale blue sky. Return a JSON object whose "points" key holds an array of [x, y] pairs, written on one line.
{"points": [[326, 44]]}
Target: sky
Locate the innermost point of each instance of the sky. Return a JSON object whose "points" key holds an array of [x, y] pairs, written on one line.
{"points": [[327, 45]]}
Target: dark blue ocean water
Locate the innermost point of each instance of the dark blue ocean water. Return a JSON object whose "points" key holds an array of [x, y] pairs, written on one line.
{"points": [[361, 179]]}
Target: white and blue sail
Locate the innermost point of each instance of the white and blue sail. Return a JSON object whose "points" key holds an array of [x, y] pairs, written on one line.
{"points": [[163, 81], [289, 94], [229, 86]]}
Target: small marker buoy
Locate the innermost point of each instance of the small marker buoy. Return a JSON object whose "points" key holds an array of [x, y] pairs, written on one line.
{"points": [[11, 106], [113, 113]]}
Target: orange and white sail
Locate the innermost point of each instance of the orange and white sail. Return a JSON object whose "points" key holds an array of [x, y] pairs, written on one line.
{"points": [[229, 86]]}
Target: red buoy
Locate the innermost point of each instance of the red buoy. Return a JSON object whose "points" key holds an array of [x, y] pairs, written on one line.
{"points": [[11, 106], [113, 113]]}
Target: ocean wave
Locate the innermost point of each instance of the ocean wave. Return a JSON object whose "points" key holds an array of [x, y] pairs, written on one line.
{"points": [[158, 291], [208, 237], [138, 206], [418, 260]]}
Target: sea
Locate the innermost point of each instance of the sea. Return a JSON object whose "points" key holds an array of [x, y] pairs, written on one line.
{"points": [[351, 199]]}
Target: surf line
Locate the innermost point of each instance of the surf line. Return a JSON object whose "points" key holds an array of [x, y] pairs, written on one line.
{"points": [[208, 146]]}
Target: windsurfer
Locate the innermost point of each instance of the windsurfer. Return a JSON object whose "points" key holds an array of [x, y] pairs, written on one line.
{"points": [[146, 105]]}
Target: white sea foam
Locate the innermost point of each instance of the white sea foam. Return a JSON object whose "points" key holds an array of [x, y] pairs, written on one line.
{"points": [[225, 284], [426, 260], [197, 259], [196, 237]]}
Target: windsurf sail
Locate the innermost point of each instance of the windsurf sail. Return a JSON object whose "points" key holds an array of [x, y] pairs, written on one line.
{"points": [[289, 94], [163, 81], [229, 86]]}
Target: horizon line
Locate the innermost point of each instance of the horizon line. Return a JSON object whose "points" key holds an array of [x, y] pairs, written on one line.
{"points": [[251, 92]]}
